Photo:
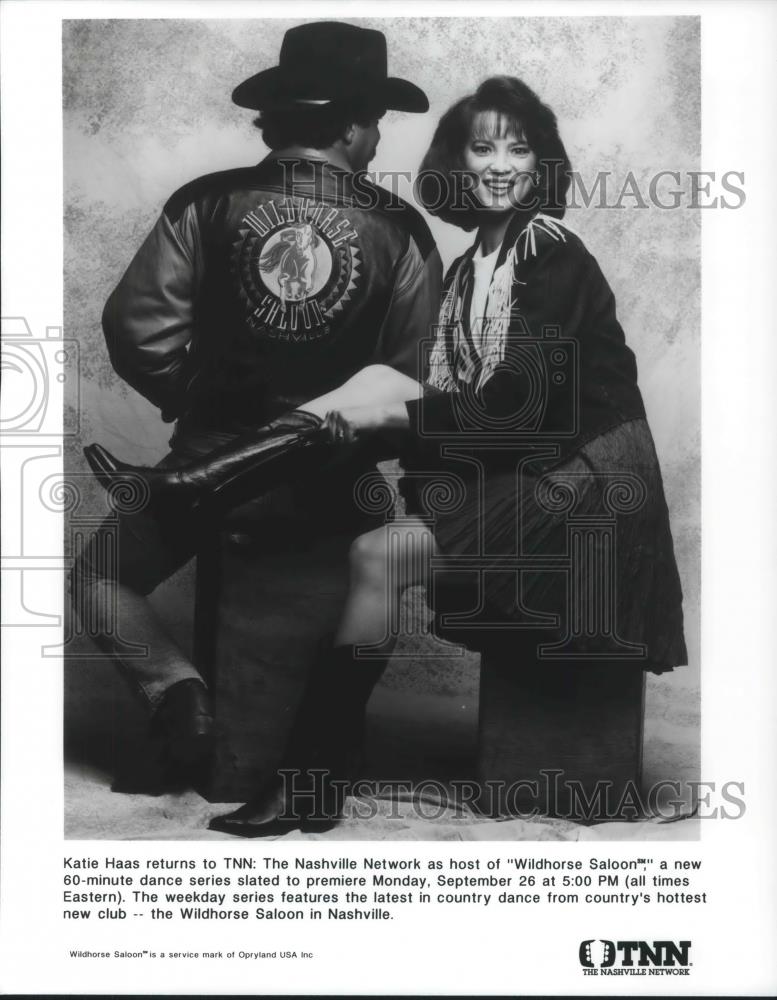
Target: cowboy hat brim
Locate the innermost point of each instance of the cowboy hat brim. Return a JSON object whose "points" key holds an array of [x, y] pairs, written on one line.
{"points": [[272, 87]]}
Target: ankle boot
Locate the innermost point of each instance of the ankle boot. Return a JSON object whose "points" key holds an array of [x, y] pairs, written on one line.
{"points": [[323, 749], [245, 468]]}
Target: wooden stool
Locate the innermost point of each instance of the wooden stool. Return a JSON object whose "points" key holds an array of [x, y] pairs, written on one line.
{"points": [[555, 737], [564, 739], [259, 620]]}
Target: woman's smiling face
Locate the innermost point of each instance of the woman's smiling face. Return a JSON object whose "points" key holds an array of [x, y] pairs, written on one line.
{"points": [[499, 155]]}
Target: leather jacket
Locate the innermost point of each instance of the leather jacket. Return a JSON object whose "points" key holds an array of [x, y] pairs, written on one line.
{"points": [[263, 287]]}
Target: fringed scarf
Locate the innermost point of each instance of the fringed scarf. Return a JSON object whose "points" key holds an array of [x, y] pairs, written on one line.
{"points": [[446, 365]]}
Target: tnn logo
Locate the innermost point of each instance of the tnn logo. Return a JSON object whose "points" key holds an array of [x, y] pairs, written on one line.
{"points": [[603, 954]]}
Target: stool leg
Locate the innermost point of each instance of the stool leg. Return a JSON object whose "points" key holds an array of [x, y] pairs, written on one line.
{"points": [[206, 603]]}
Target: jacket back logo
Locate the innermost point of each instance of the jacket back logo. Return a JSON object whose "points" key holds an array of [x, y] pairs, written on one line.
{"points": [[298, 266]]}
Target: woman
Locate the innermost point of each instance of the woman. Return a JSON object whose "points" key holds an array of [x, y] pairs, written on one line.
{"points": [[530, 371]]}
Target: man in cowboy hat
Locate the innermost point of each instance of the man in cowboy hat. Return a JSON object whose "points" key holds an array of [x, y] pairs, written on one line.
{"points": [[260, 288]]}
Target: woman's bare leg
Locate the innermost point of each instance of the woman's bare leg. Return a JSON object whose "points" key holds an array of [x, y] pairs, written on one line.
{"points": [[384, 563], [374, 384]]}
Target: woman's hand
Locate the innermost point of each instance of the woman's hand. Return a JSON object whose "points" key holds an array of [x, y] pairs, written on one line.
{"points": [[352, 422]]}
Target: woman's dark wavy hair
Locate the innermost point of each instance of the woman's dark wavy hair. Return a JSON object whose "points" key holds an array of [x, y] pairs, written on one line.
{"points": [[441, 185]]}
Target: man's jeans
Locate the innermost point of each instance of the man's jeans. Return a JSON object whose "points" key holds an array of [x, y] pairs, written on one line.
{"points": [[148, 553], [145, 555]]}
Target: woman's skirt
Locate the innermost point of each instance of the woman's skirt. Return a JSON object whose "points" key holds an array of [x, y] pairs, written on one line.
{"points": [[580, 556]]}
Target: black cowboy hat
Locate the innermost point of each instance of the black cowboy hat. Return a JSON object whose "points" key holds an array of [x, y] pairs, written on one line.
{"points": [[330, 61]]}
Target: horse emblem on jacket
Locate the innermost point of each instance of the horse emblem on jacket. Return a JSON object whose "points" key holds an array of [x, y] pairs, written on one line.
{"points": [[298, 266], [295, 260]]}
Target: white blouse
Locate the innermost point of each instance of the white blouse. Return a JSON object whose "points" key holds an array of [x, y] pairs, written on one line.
{"points": [[483, 272]]}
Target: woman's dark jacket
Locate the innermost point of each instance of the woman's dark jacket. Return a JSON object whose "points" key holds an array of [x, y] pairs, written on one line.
{"points": [[567, 374]]}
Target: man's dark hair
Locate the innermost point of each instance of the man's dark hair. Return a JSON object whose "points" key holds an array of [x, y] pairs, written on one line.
{"points": [[441, 185], [317, 126]]}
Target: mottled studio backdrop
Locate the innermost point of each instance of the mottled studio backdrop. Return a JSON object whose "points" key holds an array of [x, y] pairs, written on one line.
{"points": [[147, 107]]}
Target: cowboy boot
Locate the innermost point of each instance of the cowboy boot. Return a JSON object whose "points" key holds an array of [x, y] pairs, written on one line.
{"points": [[244, 468], [323, 748]]}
